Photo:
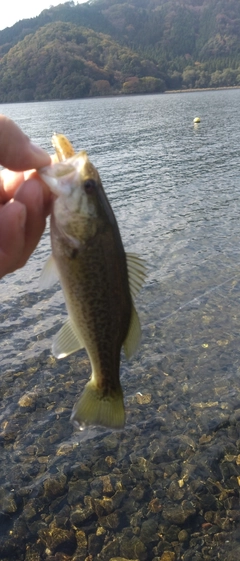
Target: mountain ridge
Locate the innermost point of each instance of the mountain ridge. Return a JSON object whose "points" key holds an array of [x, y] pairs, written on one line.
{"points": [[108, 47]]}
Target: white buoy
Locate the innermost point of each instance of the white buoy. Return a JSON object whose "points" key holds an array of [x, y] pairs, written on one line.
{"points": [[197, 120]]}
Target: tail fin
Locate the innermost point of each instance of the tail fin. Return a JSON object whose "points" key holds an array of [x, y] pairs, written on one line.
{"points": [[95, 409]]}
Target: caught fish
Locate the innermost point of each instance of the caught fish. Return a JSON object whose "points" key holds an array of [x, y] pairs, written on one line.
{"points": [[98, 280]]}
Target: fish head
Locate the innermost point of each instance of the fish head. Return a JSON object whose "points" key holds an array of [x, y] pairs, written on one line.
{"points": [[79, 197], [73, 181]]}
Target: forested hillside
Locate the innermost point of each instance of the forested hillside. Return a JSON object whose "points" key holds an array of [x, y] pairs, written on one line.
{"points": [[108, 47]]}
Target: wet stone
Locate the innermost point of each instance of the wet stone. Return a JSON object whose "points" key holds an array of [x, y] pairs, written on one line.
{"points": [[59, 556], [148, 531], [233, 515], [108, 504], [111, 549], [136, 519], [234, 555], [96, 488], [121, 559], [107, 484], [81, 471], [183, 536], [110, 460], [80, 514], [79, 555], [19, 530], [57, 538], [100, 467], [179, 513], [32, 554], [130, 505], [171, 469], [168, 556], [53, 487], [95, 544], [175, 492], [155, 505], [111, 442], [133, 548], [29, 511], [81, 539], [138, 492], [81, 551], [143, 399], [7, 502], [28, 400], [112, 521], [170, 533], [77, 491]]}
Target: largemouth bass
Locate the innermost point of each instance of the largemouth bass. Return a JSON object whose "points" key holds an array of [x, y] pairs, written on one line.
{"points": [[98, 280]]}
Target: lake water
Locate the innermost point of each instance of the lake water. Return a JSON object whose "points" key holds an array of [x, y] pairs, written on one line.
{"points": [[167, 486]]}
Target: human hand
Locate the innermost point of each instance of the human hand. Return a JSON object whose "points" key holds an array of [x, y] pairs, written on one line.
{"points": [[24, 198]]}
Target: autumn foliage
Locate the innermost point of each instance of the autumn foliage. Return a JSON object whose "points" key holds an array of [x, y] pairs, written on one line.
{"points": [[108, 47]]}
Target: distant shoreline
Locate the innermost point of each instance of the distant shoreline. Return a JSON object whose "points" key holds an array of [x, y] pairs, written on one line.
{"points": [[120, 94], [190, 90]]}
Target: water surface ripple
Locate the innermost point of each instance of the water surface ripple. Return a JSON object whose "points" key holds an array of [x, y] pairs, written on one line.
{"points": [[174, 187]]}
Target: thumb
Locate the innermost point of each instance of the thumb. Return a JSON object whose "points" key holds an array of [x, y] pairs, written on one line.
{"points": [[17, 153]]}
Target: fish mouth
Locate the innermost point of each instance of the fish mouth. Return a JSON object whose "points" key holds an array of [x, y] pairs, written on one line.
{"points": [[59, 177]]}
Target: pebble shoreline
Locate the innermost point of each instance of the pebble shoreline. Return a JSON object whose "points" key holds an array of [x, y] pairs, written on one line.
{"points": [[164, 490]]}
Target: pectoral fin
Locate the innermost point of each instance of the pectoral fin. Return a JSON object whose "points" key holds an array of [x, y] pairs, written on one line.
{"points": [[133, 338], [66, 341], [49, 274], [136, 272]]}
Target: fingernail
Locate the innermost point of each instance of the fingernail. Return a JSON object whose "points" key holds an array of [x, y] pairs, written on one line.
{"points": [[42, 155]]}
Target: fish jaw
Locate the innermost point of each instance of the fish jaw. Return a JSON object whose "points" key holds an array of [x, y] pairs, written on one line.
{"points": [[60, 178]]}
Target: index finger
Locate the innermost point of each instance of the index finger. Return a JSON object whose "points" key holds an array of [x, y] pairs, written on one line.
{"points": [[10, 181]]}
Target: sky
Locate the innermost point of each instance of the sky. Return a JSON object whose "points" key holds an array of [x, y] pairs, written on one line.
{"points": [[15, 10]]}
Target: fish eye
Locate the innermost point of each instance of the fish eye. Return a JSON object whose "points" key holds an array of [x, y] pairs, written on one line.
{"points": [[89, 186]]}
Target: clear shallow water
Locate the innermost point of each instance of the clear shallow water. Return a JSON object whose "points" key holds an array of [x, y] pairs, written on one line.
{"points": [[174, 188]]}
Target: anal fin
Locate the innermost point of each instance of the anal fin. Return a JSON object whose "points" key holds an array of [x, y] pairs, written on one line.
{"points": [[133, 338]]}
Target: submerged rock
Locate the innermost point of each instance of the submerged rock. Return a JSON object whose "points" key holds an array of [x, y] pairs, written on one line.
{"points": [[58, 538], [168, 556], [53, 487], [179, 514], [148, 531], [133, 548], [121, 559], [7, 502]]}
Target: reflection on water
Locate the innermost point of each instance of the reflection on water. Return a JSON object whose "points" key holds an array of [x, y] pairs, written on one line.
{"points": [[166, 487]]}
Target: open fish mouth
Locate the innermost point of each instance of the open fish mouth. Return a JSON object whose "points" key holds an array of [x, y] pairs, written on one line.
{"points": [[62, 176]]}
